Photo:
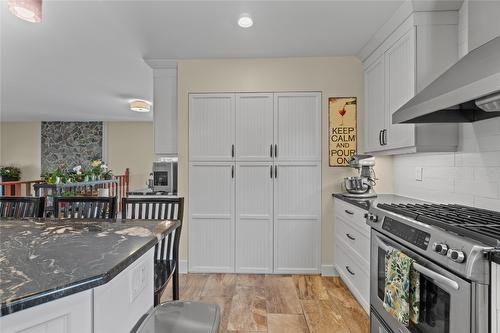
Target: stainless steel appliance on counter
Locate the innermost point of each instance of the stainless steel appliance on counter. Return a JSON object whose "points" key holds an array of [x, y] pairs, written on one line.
{"points": [[361, 186], [165, 176], [451, 246]]}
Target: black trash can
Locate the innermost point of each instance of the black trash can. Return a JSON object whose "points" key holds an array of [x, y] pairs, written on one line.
{"points": [[180, 317]]}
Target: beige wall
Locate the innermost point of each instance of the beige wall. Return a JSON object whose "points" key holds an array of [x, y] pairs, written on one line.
{"points": [[130, 145], [335, 76], [20, 146]]}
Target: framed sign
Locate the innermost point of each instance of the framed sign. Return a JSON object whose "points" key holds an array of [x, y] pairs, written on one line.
{"points": [[342, 130]]}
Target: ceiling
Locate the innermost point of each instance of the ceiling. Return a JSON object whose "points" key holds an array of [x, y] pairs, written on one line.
{"points": [[85, 60]]}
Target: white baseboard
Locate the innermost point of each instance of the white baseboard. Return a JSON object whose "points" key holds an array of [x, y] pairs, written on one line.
{"points": [[326, 270], [183, 266], [329, 270]]}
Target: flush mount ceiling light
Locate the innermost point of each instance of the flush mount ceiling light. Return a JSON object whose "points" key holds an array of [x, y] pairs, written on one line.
{"points": [[245, 21], [28, 10], [140, 105]]}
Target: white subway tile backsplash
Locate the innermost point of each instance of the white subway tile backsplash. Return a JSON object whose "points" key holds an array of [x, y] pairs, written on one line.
{"points": [[471, 176]]}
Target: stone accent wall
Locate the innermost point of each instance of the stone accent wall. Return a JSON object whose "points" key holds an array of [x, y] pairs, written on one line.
{"points": [[70, 143]]}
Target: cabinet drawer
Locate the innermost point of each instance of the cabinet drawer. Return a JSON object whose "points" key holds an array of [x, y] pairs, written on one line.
{"points": [[354, 272], [357, 241], [352, 214]]}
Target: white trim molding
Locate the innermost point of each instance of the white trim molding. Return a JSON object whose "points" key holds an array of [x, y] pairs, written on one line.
{"points": [[329, 270]]}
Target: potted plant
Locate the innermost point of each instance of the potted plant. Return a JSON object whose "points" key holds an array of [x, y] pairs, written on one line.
{"points": [[10, 173]]}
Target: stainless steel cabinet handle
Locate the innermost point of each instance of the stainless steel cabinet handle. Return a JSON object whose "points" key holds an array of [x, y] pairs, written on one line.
{"points": [[349, 212], [380, 138], [232, 171], [275, 150], [271, 151], [271, 171], [384, 137], [232, 150], [349, 270], [350, 237], [275, 171]]}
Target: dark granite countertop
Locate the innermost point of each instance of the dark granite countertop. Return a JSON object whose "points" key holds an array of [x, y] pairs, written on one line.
{"points": [[44, 259], [148, 191], [380, 198]]}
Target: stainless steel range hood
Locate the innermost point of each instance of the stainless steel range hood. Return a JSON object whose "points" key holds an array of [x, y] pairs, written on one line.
{"points": [[468, 91]]}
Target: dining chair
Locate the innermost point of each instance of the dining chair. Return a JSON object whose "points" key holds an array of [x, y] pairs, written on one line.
{"points": [[20, 207], [166, 265], [85, 207]]}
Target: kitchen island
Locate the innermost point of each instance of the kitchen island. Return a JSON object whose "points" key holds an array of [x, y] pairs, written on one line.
{"points": [[76, 275]]}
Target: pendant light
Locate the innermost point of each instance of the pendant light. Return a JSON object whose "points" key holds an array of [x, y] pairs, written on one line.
{"points": [[28, 10]]}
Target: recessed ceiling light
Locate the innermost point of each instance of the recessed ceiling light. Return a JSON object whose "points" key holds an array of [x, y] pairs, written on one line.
{"points": [[28, 10], [245, 21], [140, 105]]}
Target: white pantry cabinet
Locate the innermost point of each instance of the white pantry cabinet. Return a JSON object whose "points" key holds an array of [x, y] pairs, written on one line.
{"points": [[297, 217], [211, 127], [254, 127], [211, 217], [254, 217], [298, 126], [262, 213], [410, 58]]}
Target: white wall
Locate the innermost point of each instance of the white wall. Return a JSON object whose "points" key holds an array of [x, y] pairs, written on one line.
{"points": [[471, 176]]}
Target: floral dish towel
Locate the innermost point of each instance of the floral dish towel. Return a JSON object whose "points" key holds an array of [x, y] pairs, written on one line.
{"points": [[402, 288]]}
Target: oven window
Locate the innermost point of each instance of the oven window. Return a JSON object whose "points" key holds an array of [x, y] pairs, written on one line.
{"points": [[434, 302], [161, 178]]}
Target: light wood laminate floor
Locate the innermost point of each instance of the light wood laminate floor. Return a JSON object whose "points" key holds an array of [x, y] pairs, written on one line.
{"points": [[276, 303]]}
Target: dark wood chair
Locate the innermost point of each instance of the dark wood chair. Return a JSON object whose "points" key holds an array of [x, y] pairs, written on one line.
{"points": [[20, 207], [85, 207], [167, 250]]}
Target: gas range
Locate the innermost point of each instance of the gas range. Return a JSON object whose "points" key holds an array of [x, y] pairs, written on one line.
{"points": [[457, 237], [451, 247]]}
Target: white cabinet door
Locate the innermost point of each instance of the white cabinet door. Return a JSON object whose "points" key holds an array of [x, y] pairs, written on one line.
{"points": [[69, 314], [400, 66], [375, 120], [297, 217], [254, 127], [211, 127], [254, 217], [211, 217], [298, 126]]}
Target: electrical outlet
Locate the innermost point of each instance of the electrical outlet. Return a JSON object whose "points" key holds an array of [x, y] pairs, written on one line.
{"points": [[419, 171]]}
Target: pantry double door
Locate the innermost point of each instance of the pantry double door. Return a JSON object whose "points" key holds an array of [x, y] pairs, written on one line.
{"points": [[254, 182]]}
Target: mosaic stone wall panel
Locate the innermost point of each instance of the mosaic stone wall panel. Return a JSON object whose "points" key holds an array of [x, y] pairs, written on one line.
{"points": [[70, 143]]}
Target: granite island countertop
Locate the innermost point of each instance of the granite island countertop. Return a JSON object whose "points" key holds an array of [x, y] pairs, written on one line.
{"points": [[45, 259]]}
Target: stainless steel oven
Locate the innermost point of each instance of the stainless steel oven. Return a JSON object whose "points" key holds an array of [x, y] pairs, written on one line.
{"points": [[445, 298]]}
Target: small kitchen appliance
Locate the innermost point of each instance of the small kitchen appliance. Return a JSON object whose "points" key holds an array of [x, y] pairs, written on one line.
{"points": [[451, 246], [361, 186], [165, 175]]}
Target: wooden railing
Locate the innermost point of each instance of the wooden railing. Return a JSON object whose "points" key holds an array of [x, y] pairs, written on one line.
{"points": [[26, 188], [18, 188]]}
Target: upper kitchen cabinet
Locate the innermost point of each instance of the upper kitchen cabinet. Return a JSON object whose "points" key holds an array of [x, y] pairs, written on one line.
{"points": [[164, 106], [254, 127], [408, 59], [298, 126], [211, 127]]}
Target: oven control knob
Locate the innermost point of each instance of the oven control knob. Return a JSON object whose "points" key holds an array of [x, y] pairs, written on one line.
{"points": [[456, 255], [373, 218], [440, 248]]}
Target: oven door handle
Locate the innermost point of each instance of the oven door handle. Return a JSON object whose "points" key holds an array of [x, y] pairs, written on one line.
{"points": [[422, 269]]}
